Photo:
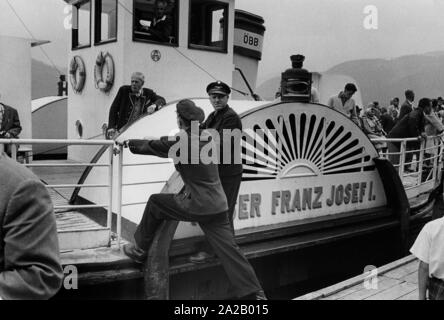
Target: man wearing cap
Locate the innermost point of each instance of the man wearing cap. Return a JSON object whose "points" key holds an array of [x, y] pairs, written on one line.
{"points": [[230, 174], [130, 103], [201, 200]]}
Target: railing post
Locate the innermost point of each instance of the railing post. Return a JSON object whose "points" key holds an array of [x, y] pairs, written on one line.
{"points": [[421, 159], [402, 156], [119, 196], [110, 189], [14, 151]]}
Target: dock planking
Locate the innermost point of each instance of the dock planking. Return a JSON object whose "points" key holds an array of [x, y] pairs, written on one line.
{"points": [[395, 281], [58, 175]]}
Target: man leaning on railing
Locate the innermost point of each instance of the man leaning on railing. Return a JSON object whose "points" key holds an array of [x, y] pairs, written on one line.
{"points": [[411, 126]]}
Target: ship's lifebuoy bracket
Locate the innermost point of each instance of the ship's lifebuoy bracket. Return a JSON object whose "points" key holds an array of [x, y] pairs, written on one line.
{"points": [[77, 74], [104, 83]]}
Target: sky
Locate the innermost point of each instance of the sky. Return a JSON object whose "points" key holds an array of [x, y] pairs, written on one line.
{"points": [[327, 32]]}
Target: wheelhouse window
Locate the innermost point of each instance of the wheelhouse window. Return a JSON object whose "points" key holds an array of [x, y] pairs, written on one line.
{"points": [[156, 21], [81, 24], [105, 27], [208, 25]]}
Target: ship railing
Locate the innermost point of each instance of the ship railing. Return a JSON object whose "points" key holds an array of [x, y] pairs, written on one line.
{"points": [[110, 164], [418, 161]]}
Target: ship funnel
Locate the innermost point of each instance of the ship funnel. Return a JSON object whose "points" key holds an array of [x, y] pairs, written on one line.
{"points": [[296, 82]]}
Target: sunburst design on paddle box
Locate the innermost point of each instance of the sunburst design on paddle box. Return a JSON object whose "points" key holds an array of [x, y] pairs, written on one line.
{"points": [[290, 141]]}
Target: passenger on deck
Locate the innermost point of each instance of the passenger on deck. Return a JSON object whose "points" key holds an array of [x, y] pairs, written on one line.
{"points": [[440, 109], [411, 126], [433, 127], [130, 103], [202, 200], [407, 106], [9, 125], [29, 251], [344, 103], [428, 248], [393, 109], [395, 103], [372, 127], [387, 119]]}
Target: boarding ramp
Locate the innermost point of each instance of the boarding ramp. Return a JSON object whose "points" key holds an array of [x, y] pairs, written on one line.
{"points": [[75, 228]]}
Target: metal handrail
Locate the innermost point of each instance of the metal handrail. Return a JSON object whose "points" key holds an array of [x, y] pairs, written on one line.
{"points": [[434, 153], [15, 143]]}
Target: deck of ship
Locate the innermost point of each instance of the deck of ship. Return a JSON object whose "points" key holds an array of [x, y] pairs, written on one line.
{"points": [[395, 281], [72, 220]]}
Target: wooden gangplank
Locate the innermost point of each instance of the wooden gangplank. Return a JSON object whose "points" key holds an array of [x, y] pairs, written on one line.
{"points": [[75, 230], [395, 281]]}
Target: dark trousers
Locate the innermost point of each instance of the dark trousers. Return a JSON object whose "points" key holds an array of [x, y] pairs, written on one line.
{"points": [[395, 147], [217, 230], [231, 186], [436, 289]]}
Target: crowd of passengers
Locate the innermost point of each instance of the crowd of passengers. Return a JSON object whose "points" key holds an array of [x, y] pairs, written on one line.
{"points": [[410, 120]]}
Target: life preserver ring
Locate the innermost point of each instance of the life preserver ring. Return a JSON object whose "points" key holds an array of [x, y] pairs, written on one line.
{"points": [[104, 83], [77, 66]]}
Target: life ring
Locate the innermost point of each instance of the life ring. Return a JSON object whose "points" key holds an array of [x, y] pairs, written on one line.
{"points": [[77, 66], [104, 83]]}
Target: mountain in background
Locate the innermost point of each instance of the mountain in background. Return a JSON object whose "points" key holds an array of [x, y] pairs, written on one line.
{"points": [[381, 80], [44, 79]]}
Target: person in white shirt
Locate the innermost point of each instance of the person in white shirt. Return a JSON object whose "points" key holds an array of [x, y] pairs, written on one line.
{"points": [[429, 249], [344, 103]]}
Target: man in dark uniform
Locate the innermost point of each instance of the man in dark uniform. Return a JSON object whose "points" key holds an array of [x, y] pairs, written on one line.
{"points": [[201, 200], [407, 106], [130, 103], [223, 118]]}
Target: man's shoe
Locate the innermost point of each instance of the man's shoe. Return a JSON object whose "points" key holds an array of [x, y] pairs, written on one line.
{"points": [[135, 253], [201, 257]]}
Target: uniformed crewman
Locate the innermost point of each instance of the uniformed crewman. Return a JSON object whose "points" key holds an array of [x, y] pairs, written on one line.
{"points": [[201, 200], [223, 117]]}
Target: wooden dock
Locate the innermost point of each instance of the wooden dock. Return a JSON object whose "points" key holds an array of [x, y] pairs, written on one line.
{"points": [[395, 281]]}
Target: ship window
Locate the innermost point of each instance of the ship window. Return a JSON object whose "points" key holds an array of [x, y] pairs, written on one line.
{"points": [[81, 24], [208, 25], [105, 21], [156, 21]]}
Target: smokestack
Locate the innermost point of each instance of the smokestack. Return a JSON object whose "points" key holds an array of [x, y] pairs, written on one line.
{"points": [[296, 82]]}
